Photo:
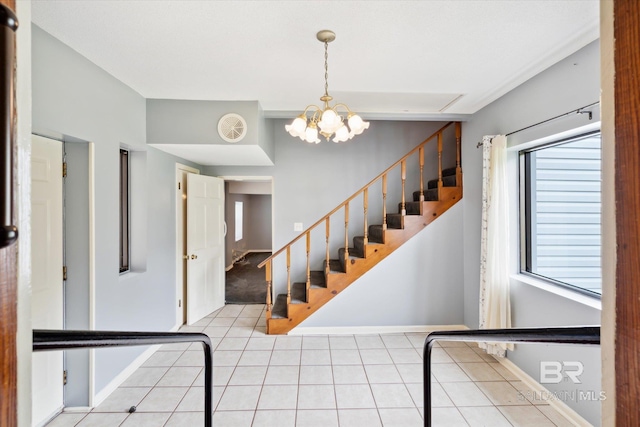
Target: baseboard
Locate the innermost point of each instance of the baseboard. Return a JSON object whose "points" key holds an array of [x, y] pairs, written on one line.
{"points": [[556, 404], [77, 409], [354, 330]]}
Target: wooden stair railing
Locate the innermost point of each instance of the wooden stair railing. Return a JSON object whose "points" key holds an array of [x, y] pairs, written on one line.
{"points": [[316, 294]]}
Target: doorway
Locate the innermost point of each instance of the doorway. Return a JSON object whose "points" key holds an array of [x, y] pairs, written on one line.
{"points": [[248, 209]]}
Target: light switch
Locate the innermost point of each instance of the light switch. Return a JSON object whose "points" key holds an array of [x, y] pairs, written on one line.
{"points": [[297, 226]]}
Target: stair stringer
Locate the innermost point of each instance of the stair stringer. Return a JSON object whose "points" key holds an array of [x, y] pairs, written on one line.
{"points": [[374, 254]]}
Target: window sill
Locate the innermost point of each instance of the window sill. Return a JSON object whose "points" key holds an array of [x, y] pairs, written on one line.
{"points": [[578, 297]]}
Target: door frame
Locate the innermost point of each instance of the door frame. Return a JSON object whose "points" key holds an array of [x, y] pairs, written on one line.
{"points": [[181, 221]]}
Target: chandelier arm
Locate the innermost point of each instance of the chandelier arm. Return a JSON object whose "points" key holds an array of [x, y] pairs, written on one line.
{"points": [[345, 107]]}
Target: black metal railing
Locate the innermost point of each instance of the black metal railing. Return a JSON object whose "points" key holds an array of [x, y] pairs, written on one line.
{"points": [[48, 340], [585, 335]]}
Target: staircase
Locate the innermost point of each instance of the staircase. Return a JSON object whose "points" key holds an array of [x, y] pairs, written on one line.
{"points": [[304, 298]]}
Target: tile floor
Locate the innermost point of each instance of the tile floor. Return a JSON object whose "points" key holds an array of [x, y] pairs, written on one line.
{"points": [[324, 381]]}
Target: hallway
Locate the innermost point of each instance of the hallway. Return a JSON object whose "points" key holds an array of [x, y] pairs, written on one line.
{"points": [[322, 380]]}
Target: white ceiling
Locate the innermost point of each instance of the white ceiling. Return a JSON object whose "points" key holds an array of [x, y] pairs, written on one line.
{"points": [[391, 59]]}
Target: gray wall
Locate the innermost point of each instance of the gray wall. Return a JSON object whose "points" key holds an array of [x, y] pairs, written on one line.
{"points": [[73, 97], [311, 179], [256, 224], [570, 84]]}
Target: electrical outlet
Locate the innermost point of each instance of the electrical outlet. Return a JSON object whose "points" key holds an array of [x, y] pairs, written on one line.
{"points": [[297, 226]]}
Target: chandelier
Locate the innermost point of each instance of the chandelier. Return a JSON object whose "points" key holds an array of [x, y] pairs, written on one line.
{"points": [[326, 121]]}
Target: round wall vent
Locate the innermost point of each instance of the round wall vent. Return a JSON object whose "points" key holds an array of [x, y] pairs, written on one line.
{"points": [[232, 127]]}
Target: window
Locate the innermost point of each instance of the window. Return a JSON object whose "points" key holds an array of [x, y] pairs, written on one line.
{"points": [[238, 221], [561, 212], [125, 230]]}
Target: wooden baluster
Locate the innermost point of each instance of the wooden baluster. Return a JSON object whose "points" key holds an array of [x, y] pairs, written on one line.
{"points": [[403, 168], [308, 264], [440, 166], [269, 280], [458, 154], [288, 277], [384, 203], [421, 154], [327, 268], [365, 202], [346, 237]]}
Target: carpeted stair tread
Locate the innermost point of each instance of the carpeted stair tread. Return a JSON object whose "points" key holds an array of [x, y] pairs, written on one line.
{"points": [[334, 266], [318, 280], [412, 208], [394, 220], [429, 195], [299, 293], [279, 310], [447, 181]]}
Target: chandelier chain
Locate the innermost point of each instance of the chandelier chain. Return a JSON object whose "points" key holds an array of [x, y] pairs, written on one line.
{"points": [[326, 68]]}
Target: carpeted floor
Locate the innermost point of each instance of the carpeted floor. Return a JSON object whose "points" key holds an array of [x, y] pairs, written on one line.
{"points": [[245, 282]]}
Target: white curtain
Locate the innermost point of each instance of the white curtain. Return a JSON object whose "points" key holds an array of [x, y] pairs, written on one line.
{"points": [[495, 310]]}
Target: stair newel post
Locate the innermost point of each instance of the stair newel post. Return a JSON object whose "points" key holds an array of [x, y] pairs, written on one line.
{"points": [[421, 154], [327, 268], [308, 264], [346, 237], [288, 277], [439, 165], [403, 171], [458, 154], [269, 281], [384, 203], [365, 202]]}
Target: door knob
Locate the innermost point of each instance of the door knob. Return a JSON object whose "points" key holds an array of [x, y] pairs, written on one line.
{"points": [[194, 256]]}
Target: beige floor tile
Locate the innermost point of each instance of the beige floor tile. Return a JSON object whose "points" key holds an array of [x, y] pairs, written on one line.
{"points": [[152, 419], [315, 357], [239, 398], [226, 358], [274, 418], [102, 420], [447, 417], [233, 418], [282, 375], [525, 416], [191, 358], [349, 374], [67, 419], [555, 417], [316, 397], [255, 358], [481, 416], [439, 398], [480, 371], [439, 355], [345, 357], [179, 376], [284, 342], [375, 357], [216, 331], [145, 377], [532, 396], [315, 342], [265, 343], [391, 396], [366, 342], [346, 342], [278, 397], [228, 343], [448, 373], [248, 375], [239, 332], [246, 322], [162, 358], [317, 418], [285, 357], [404, 355], [379, 374], [417, 340], [411, 373], [359, 418], [465, 394], [501, 393], [396, 341], [193, 400], [463, 354], [162, 399], [354, 396], [404, 417], [222, 321], [186, 419], [178, 346], [316, 374], [450, 344], [230, 310], [506, 373], [122, 399]]}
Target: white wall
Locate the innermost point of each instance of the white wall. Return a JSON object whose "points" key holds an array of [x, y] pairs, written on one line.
{"points": [[570, 84], [72, 97]]}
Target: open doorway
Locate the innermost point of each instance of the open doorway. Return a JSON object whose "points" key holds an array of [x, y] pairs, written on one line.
{"points": [[248, 213]]}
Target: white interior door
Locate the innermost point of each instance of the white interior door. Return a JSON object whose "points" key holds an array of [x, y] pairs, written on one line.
{"points": [[46, 272], [205, 246]]}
